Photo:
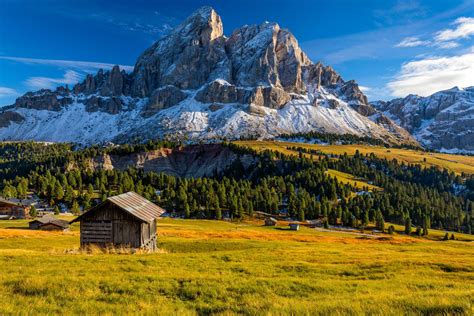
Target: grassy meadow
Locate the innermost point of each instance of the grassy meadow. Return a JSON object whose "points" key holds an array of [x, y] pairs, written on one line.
{"points": [[455, 163], [216, 267]]}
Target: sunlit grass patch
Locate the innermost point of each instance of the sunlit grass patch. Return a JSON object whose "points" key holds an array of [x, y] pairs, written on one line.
{"points": [[455, 163], [216, 267]]}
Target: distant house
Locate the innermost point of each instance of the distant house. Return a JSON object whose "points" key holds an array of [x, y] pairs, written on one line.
{"points": [[127, 220], [48, 222], [294, 226], [13, 209], [270, 221]]}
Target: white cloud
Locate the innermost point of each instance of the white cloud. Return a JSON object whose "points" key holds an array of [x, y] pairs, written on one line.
{"points": [[7, 92], [447, 45], [364, 88], [432, 74], [86, 66], [70, 77], [464, 29], [412, 42]]}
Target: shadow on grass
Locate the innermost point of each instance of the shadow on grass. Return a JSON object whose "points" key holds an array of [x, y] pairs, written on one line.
{"points": [[22, 228]]}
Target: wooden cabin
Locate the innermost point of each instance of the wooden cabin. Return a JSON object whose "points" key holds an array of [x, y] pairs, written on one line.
{"points": [[270, 221], [294, 226], [127, 220], [55, 225], [48, 222], [11, 209]]}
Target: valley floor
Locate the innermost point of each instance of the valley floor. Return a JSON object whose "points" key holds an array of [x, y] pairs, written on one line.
{"points": [[208, 267]]}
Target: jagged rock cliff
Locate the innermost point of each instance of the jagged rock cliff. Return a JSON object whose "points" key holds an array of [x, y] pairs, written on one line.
{"points": [[442, 121], [189, 161], [198, 83]]}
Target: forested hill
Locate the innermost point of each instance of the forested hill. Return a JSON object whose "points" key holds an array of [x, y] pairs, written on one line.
{"points": [[307, 184]]}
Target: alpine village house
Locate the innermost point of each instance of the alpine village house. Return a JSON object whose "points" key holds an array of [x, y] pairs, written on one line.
{"points": [[126, 220], [10, 209]]}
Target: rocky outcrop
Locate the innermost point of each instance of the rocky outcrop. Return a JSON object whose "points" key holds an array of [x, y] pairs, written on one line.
{"points": [[442, 121], [110, 83], [270, 97], [112, 105], [8, 117], [44, 99], [189, 161], [222, 92], [187, 58], [266, 55], [318, 75], [163, 98]]}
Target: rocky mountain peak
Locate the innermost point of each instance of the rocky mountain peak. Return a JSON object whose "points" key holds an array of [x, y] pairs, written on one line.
{"points": [[195, 81], [443, 120]]}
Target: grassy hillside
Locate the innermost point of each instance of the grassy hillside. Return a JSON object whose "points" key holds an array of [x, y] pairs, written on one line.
{"points": [[455, 163], [217, 267], [349, 178]]}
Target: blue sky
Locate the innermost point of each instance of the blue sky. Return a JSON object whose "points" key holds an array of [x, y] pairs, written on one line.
{"points": [[391, 48]]}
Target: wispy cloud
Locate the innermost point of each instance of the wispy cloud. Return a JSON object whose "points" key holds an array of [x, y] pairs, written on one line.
{"points": [[137, 25], [464, 29], [70, 77], [444, 39], [86, 66], [7, 92], [448, 45], [412, 41], [432, 74]]}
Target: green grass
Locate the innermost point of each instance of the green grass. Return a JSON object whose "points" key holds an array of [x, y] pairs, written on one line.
{"points": [[210, 267], [352, 180], [455, 163]]}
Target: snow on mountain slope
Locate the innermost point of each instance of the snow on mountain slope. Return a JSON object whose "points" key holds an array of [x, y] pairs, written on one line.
{"points": [[197, 83], [442, 121]]}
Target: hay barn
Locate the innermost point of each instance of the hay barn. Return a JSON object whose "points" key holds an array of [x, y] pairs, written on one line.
{"points": [[48, 223], [11, 209], [270, 221], [127, 220]]}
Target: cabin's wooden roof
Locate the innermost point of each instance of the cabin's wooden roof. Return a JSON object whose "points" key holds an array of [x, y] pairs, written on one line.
{"points": [[9, 202], [43, 220], [47, 219], [133, 204]]}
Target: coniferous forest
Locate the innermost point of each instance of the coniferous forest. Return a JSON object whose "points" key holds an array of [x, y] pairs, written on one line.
{"points": [[297, 185]]}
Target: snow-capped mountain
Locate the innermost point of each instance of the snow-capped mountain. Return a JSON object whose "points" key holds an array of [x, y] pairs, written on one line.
{"points": [[442, 121], [198, 83]]}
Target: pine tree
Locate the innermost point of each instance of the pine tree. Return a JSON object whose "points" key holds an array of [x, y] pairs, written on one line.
{"points": [[187, 210], [33, 211], [425, 225], [301, 215], [379, 221], [407, 225], [365, 222], [75, 209]]}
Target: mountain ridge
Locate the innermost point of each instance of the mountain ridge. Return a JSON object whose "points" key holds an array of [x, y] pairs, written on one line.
{"points": [[199, 84], [443, 121]]}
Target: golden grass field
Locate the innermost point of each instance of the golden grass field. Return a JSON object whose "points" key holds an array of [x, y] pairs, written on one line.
{"points": [[455, 163], [216, 267], [350, 179]]}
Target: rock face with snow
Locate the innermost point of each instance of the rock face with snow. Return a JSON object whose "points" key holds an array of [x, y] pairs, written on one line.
{"points": [[198, 83], [442, 121]]}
